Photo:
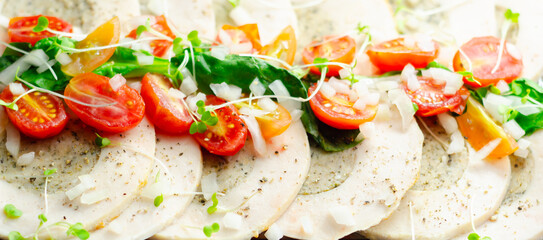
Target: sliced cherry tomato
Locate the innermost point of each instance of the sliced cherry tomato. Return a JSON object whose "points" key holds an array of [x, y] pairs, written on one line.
{"points": [[20, 28], [393, 55], [483, 55], [479, 129], [432, 101], [283, 47], [273, 123], [340, 50], [228, 136], [128, 109], [159, 47], [247, 33], [82, 62], [338, 111], [40, 115], [166, 112]]}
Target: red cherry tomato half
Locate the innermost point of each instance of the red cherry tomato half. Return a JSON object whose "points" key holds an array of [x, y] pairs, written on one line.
{"points": [[338, 111], [228, 136], [432, 101], [393, 55], [243, 34], [40, 115], [159, 47], [166, 112], [340, 50], [483, 55], [126, 112], [20, 28]]}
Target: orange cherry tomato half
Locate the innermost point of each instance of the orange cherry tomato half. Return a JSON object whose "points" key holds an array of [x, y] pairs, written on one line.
{"points": [[83, 62], [431, 100], [166, 112], [40, 115], [479, 129], [273, 123], [283, 47], [393, 55], [228, 136], [126, 112], [483, 55], [243, 34], [20, 28], [334, 49], [338, 111], [159, 47]]}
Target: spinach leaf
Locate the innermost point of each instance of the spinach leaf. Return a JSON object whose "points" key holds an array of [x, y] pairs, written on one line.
{"points": [[46, 79], [20, 45], [52, 46], [529, 90]]}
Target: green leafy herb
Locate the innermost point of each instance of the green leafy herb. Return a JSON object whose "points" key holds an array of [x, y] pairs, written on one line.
{"points": [[178, 46], [415, 106], [43, 23], [42, 218], [511, 16], [78, 231], [12, 212], [101, 141], [234, 3], [13, 235], [213, 208], [140, 30], [475, 236], [158, 200], [213, 228], [319, 60], [207, 119], [494, 89], [194, 39], [11, 105], [49, 172], [435, 64]]}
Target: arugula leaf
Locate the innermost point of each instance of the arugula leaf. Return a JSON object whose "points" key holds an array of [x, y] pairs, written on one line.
{"points": [[12, 212], [43, 23]]}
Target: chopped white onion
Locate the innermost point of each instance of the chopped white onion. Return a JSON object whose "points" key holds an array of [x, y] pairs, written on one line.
{"points": [[384, 86], [342, 215], [258, 141], [512, 128], [368, 99], [296, 114], [513, 51], [368, 128], [409, 75], [493, 102], [487, 149], [523, 143], [188, 85], [45, 66], [232, 221], [457, 143], [116, 82], [219, 52], [193, 99], [341, 86], [523, 153], [279, 89], [175, 93], [93, 197], [503, 86], [8, 75], [344, 73], [404, 105], [327, 90], [144, 59], [448, 122], [209, 185], [360, 88], [267, 104], [383, 113], [224, 37], [409, 42], [36, 57], [151, 191], [13, 140], [246, 47], [25, 159], [87, 183], [257, 88], [424, 42], [16, 88], [63, 58], [307, 225], [248, 111], [241, 16], [226, 91], [453, 84], [135, 85], [274, 232]]}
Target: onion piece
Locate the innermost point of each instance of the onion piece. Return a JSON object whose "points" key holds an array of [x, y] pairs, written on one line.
{"points": [[116, 82], [384, 86], [513, 128], [258, 141], [409, 75], [341, 86], [13, 140], [523, 143], [144, 59], [523, 153], [87, 183], [224, 37], [25, 159], [404, 105], [175, 93], [36, 57], [63, 58], [493, 102], [383, 113], [513, 51], [257, 88], [342, 215], [93, 197], [487, 149], [241, 48], [45, 66], [327, 90], [424, 42], [503, 86], [267, 104], [447, 122], [226, 91], [193, 99], [135, 85], [188, 85], [274, 233], [220, 52], [16, 88], [252, 112], [457, 143], [279, 89], [8, 75], [344, 73], [209, 185], [232, 221]]}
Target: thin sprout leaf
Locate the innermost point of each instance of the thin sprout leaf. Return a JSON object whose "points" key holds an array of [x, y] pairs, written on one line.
{"points": [[43, 23], [42, 218], [234, 3], [78, 231], [101, 141], [12, 212], [194, 39], [511, 16], [49, 172], [14, 235], [158, 200]]}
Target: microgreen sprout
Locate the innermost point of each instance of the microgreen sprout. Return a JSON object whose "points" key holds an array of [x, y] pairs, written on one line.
{"points": [[42, 25], [318, 61], [178, 46], [494, 89], [101, 141], [206, 119], [234, 3], [13, 235], [158, 200], [12, 212], [468, 76], [78, 231], [213, 208], [475, 236], [213, 228], [10, 105], [194, 39], [49, 172], [511, 18]]}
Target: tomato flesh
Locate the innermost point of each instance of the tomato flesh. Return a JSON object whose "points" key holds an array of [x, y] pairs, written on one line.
{"points": [[283, 47], [166, 112], [393, 55], [40, 115], [247, 33], [338, 111], [272, 124], [341, 50], [479, 129], [20, 28], [228, 136], [483, 55], [127, 111], [431, 100], [83, 62], [159, 47]]}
